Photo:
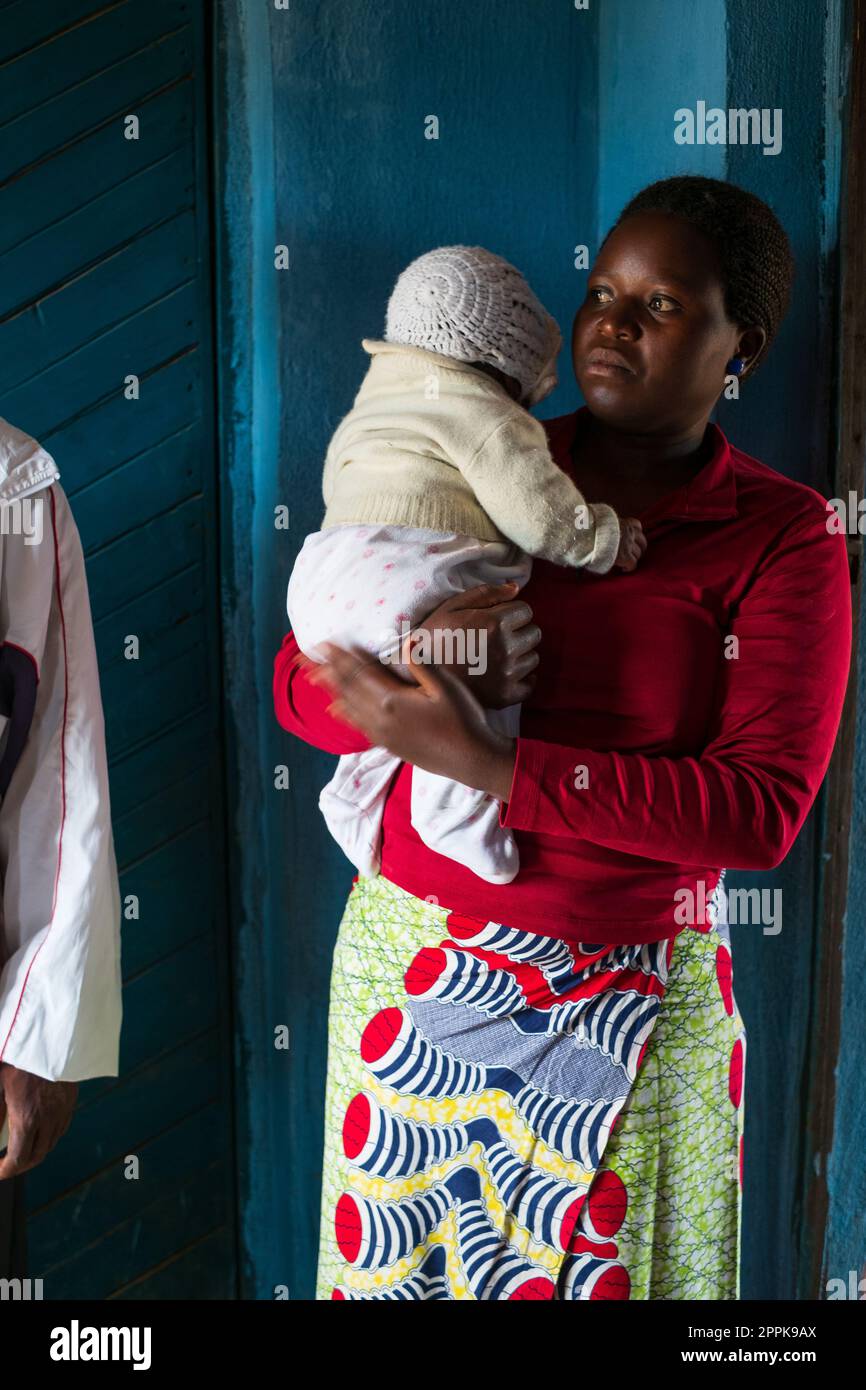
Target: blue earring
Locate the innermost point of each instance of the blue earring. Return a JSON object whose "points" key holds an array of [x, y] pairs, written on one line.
{"points": [[736, 365]]}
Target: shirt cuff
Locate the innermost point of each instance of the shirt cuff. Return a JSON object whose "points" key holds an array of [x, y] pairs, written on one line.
{"points": [[543, 796], [518, 811], [607, 537]]}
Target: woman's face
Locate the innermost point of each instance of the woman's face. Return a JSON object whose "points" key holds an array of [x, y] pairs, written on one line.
{"points": [[654, 298]]}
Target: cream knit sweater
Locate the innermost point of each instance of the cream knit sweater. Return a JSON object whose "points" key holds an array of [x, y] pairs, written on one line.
{"points": [[433, 443]]}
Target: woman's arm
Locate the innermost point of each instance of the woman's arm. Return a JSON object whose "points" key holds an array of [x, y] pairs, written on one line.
{"points": [[303, 707], [743, 801], [740, 804]]}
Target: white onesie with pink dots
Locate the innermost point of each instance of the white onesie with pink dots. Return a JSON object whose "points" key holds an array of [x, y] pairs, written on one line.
{"points": [[367, 586]]}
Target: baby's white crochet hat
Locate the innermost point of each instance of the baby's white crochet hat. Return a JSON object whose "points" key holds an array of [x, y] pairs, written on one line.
{"points": [[469, 304]]}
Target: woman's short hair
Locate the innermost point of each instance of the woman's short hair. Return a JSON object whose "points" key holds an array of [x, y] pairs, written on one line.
{"points": [[754, 252]]}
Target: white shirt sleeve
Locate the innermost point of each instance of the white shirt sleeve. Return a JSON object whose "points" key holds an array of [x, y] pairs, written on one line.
{"points": [[60, 1000]]}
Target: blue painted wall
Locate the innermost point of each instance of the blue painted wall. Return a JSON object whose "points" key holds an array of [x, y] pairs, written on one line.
{"points": [[777, 58], [844, 1166], [550, 119], [653, 59]]}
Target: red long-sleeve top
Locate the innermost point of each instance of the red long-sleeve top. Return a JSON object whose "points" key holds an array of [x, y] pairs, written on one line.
{"points": [[682, 719]]}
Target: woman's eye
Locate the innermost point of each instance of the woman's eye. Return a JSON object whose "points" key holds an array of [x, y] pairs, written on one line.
{"points": [[663, 303]]}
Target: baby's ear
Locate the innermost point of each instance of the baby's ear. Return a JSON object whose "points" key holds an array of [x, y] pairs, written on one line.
{"points": [[542, 390]]}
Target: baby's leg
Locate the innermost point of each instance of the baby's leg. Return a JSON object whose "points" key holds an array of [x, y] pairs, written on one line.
{"points": [[327, 603], [353, 803], [463, 823], [368, 586]]}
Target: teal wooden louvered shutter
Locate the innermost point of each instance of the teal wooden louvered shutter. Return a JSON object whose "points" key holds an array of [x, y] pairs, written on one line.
{"points": [[105, 273]]}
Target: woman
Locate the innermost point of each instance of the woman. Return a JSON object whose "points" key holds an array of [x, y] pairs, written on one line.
{"points": [[535, 1090]]}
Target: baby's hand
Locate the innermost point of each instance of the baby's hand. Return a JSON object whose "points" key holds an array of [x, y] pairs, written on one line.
{"points": [[632, 543]]}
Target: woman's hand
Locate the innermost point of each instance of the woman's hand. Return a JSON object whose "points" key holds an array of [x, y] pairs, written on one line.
{"points": [[437, 724], [504, 636]]}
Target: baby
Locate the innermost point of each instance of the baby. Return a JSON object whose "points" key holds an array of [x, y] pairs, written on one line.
{"points": [[439, 479]]}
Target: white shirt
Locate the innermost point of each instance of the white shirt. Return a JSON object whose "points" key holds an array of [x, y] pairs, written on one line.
{"points": [[60, 1001]]}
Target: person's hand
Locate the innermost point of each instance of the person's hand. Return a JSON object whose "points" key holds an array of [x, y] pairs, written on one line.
{"points": [[504, 643], [437, 724], [632, 543], [39, 1111]]}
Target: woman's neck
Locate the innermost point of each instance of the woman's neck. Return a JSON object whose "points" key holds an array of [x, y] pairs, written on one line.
{"points": [[676, 452], [631, 471]]}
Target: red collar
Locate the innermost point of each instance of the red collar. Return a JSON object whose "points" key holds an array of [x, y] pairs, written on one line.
{"points": [[711, 495]]}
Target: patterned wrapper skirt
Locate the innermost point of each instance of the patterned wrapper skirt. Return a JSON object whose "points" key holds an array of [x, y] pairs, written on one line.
{"points": [[510, 1116]]}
